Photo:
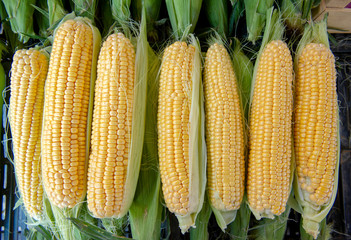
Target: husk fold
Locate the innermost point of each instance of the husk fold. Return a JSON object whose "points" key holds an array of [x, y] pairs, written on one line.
{"points": [[313, 215]]}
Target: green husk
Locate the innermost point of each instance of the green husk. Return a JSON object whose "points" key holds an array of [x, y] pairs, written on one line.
{"points": [[272, 228], [296, 12], [91, 231], [115, 226], [146, 209], [12, 40], [200, 232], [105, 17], [239, 228], [56, 11], [243, 69], [41, 17], [325, 231], [152, 8], [64, 226], [217, 15], [85, 8], [197, 146], [256, 17], [183, 15], [236, 13], [313, 215], [20, 15], [120, 10]]}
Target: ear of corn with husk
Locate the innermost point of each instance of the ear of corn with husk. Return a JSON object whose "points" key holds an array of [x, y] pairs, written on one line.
{"points": [[118, 124], [224, 134], [180, 119], [270, 143], [67, 110], [183, 189], [316, 143]]}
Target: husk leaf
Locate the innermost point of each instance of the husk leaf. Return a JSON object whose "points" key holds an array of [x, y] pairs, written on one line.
{"points": [[325, 232], [239, 228], [217, 15], [2, 80], [296, 12], [272, 228], [91, 231], [152, 8], [183, 15], [201, 232], [56, 11], [120, 10], [243, 69], [20, 14], [146, 209], [115, 226], [256, 17], [85, 8]]}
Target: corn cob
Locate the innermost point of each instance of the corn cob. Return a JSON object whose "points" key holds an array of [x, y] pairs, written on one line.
{"points": [[28, 74], [224, 131], [315, 123], [66, 121], [268, 185], [112, 126]]}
